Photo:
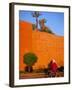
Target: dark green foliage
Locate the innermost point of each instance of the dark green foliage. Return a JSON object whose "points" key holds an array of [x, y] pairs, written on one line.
{"points": [[36, 14], [30, 59], [48, 31], [61, 69], [33, 26], [46, 71], [43, 27]]}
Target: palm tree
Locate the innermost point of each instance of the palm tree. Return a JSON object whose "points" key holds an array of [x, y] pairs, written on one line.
{"points": [[29, 59], [43, 27], [36, 14], [42, 23]]}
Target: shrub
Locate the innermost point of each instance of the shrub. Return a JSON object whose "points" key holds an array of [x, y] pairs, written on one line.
{"points": [[61, 69], [48, 31], [33, 26], [30, 59]]}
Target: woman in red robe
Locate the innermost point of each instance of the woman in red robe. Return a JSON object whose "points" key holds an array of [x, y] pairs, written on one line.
{"points": [[53, 68]]}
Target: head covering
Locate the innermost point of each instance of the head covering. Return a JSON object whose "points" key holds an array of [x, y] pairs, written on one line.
{"points": [[53, 60]]}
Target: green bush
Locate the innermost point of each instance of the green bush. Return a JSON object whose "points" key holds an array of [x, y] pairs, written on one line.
{"points": [[30, 59], [33, 26], [48, 31]]}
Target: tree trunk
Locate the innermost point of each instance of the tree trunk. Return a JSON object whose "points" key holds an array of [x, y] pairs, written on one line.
{"points": [[36, 23], [28, 69]]}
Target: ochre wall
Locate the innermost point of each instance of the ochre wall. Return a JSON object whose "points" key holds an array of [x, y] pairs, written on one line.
{"points": [[46, 46]]}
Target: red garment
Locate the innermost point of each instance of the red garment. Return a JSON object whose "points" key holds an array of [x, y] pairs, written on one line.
{"points": [[54, 67]]}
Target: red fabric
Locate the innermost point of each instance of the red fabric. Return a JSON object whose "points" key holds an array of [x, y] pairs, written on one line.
{"points": [[54, 67]]}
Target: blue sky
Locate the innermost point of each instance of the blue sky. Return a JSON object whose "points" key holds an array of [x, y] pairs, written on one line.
{"points": [[55, 20]]}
